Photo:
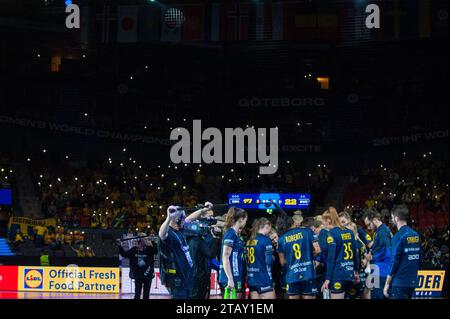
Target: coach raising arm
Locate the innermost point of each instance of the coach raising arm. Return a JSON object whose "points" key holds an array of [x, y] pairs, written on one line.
{"points": [[177, 271]]}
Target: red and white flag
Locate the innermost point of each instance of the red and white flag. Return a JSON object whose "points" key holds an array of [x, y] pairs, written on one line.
{"points": [[127, 24], [194, 26]]}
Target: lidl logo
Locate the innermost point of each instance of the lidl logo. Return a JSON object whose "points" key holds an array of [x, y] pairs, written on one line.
{"points": [[33, 278]]}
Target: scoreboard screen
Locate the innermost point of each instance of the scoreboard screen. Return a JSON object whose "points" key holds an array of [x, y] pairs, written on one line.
{"points": [[264, 200], [5, 197]]}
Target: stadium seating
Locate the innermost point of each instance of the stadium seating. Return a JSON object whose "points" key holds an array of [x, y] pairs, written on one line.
{"points": [[5, 250]]}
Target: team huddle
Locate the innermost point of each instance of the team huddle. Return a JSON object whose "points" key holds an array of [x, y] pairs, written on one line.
{"points": [[327, 256]]}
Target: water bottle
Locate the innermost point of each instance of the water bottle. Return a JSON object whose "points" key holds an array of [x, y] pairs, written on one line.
{"points": [[226, 294], [230, 293], [234, 293]]}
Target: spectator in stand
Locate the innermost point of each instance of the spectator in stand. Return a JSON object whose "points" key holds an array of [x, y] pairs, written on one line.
{"points": [[78, 237], [50, 239], [19, 238], [68, 238], [83, 251], [59, 237], [94, 220], [75, 222], [40, 232], [79, 250], [89, 252]]}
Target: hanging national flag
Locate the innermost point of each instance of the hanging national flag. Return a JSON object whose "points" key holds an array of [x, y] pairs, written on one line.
{"points": [[353, 30], [439, 18], [424, 18], [260, 30], [105, 24], [310, 21], [260, 27], [194, 26], [300, 21], [268, 23], [327, 25], [257, 21], [172, 22], [236, 22], [277, 20], [127, 24], [149, 26], [400, 20], [84, 26], [410, 21], [214, 18]]}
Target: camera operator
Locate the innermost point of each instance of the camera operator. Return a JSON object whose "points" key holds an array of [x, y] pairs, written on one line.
{"points": [[142, 258], [203, 241], [177, 265]]}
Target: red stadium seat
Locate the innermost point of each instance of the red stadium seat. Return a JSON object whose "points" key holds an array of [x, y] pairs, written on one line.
{"points": [[441, 220]]}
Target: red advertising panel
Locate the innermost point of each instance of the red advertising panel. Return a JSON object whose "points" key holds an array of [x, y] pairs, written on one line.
{"points": [[8, 278]]}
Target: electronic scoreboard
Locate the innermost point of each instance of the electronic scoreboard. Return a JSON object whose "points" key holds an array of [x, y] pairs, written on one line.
{"points": [[265, 201]]}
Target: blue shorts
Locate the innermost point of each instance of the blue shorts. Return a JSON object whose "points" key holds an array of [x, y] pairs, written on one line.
{"points": [[377, 292], [401, 292], [304, 288], [358, 289], [342, 286], [261, 290]]}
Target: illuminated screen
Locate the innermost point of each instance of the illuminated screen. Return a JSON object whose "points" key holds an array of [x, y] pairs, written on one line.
{"points": [[5, 197], [264, 200]]}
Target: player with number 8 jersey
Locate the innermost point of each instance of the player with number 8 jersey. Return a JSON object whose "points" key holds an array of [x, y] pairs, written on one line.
{"points": [[296, 249]]}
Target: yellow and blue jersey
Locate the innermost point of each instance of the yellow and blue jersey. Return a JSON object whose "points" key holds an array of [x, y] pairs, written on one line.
{"points": [[297, 247], [361, 249], [231, 239], [405, 258], [364, 236], [342, 255], [322, 241], [259, 262]]}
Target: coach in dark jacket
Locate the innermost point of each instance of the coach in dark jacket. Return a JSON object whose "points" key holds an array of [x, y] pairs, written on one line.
{"points": [[142, 258]]}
